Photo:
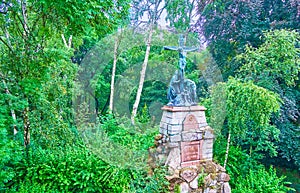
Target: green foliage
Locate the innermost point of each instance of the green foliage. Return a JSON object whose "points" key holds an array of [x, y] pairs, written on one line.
{"points": [[126, 148], [154, 183], [201, 177], [144, 117], [261, 181], [10, 150], [289, 144], [10, 153], [249, 104], [179, 14], [71, 169], [239, 161], [121, 145], [248, 111], [275, 66], [291, 176], [277, 57], [230, 25], [38, 39]]}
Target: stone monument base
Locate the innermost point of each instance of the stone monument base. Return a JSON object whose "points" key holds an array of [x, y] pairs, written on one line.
{"points": [[186, 139], [185, 146]]}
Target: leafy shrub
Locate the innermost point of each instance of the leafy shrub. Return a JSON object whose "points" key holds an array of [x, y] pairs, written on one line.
{"points": [[138, 137], [126, 146], [150, 183], [10, 154], [261, 181], [10, 151], [72, 169], [239, 162], [113, 159]]}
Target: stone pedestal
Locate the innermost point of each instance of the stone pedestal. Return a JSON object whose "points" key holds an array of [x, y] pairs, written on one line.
{"points": [[186, 135], [185, 146]]}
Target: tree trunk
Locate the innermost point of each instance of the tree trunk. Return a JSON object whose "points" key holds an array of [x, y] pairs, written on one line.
{"points": [[26, 127], [227, 151], [142, 77], [12, 111], [113, 74]]}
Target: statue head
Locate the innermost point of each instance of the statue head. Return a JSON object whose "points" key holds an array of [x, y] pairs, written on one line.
{"points": [[181, 40]]}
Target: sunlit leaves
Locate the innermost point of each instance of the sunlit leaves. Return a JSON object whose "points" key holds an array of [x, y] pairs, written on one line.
{"points": [[277, 57], [248, 110]]}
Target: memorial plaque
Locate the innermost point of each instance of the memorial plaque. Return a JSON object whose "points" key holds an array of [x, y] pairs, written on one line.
{"points": [[190, 151], [190, 122]]}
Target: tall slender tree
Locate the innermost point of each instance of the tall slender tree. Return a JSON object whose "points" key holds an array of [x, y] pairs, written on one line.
{"points": [[36, 66], [118, 38], [146, 15]]}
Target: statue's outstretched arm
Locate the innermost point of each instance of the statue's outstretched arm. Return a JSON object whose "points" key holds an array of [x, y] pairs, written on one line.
{"points": [[171, 48], [190, 49]]}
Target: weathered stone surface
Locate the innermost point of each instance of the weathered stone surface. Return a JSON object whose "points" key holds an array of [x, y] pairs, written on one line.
{"points": [[223, 177], [173, 144], [188, 174], [183, 109], [184, 187], [194, 183], [220, 168], [186, 142], [212, 191], [226, 188], [202, 120], [207, 156], [190, 151], [162, 158], [158, 137], [175, 138], [174, 159], [190, 122], [190, 163], [174, 129], [163, 130], [207, 149], [191, 136], [159, 149], [207, 180], [209, 134], [209, 167], [202, 124]]}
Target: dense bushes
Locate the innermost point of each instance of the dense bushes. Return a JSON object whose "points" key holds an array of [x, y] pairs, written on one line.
{"points": [[261, 181], [69, 169], [85, 167], [247, 174]]}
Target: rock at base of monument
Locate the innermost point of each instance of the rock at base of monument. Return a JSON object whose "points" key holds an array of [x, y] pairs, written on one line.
{"points": [[184, 187], [207, 177], [194, 183], [188, 174], [223, 177], [226, 188]]}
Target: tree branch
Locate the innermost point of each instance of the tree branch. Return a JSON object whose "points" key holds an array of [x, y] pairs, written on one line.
{"points": [[6, 44], [68, 45]]}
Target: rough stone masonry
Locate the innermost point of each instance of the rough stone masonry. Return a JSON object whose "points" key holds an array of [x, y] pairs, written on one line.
{"points": [[185, 146]]}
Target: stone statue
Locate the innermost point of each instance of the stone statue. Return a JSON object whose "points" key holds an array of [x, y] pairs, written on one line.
{"points": [[182, 92]]}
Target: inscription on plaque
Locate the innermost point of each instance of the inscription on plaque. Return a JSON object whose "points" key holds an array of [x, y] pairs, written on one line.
{"points": [[190, 151], [190, 122]]}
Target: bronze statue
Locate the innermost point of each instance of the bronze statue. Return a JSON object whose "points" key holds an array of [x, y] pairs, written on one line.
{"points": [[182, 92]]}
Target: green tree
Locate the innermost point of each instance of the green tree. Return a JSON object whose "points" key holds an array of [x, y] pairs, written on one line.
{"points": [[275, 66], [228, 26], [262, 181], [36, 65], [248, 112]]}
